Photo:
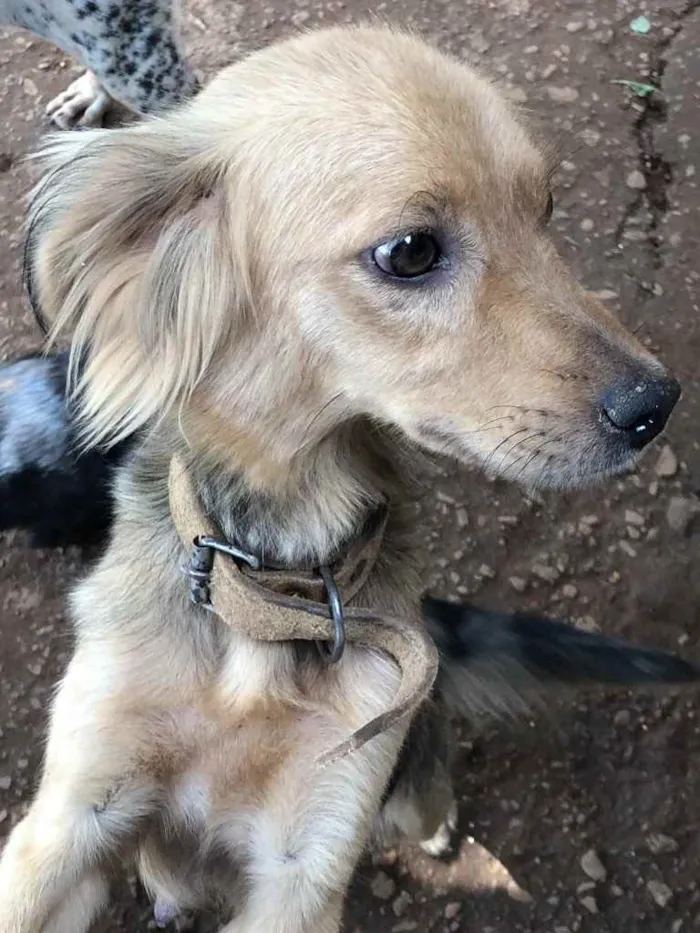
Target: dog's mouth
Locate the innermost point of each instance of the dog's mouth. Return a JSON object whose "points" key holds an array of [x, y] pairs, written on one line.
{"points": [[537, 448], [577, 444]]}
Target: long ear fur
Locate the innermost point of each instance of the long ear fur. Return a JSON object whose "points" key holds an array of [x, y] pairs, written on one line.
{"points": [[131, 252]]}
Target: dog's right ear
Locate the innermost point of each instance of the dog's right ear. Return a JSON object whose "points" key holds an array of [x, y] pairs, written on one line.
{"points": [[133, 253]]}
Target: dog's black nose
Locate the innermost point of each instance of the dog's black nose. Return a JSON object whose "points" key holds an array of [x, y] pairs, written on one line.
{"points": [[640, 407]]}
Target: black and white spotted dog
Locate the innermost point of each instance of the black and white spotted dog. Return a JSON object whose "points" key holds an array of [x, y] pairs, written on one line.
{"points": [[132, 49]]}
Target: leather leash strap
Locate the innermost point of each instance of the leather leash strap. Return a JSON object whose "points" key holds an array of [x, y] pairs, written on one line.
{"points": [[265, 613]]}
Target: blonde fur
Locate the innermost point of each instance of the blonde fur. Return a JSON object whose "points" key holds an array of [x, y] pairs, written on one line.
{"points": [[214, 270]]}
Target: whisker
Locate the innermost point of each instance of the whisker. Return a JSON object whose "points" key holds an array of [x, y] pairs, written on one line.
{"points": [[505, 440]]}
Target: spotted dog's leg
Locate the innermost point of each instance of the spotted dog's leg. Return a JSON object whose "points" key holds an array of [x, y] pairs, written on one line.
{"points": [[132, 48], [83, 103]]}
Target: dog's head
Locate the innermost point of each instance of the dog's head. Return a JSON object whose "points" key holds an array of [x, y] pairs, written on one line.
{"points": [[346, 225]]}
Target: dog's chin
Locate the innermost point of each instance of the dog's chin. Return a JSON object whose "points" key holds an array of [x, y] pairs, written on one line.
{"points": [[573, 467]]}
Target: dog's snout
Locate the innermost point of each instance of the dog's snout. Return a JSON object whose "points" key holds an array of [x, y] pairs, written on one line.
{"points": [[640, 407]]}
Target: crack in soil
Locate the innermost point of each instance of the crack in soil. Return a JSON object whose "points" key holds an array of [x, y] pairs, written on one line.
{"points": [[657, 171]]}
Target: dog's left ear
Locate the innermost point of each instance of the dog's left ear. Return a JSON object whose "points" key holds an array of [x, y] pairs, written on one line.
{"points": [[131, 251]]}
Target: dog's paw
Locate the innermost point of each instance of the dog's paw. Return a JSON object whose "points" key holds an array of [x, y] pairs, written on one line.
{"points": [[84, 103], [439, 844]]}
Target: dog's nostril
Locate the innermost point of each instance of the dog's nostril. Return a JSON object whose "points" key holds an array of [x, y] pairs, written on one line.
{"points": [[640, 407]]}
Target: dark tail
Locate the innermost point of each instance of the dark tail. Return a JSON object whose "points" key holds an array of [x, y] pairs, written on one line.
{"points": [[61, 495], [494, 662]]}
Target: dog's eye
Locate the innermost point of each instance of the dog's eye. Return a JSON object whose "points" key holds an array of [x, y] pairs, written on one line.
{"points": [[408, 256], [549, 209]]}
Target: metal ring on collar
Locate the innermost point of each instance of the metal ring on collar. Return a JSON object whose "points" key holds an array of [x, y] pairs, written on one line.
{"points": [[334, 653]]}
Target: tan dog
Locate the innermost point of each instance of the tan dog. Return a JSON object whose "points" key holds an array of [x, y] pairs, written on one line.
{"points": [[342, 236]]}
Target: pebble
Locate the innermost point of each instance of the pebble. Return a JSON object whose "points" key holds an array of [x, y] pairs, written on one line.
{"points": [[574, 26], [680, 514], [563, 95], [462, 518], [593, 867], [518, 584], [517, 95], [548, 574], [5, 782], [452, 909], [659, 844], [382, 886], [590, 903], [636, 180], [634, 518], [569, 591], [667, 464], [401, 904], [660, 892]]}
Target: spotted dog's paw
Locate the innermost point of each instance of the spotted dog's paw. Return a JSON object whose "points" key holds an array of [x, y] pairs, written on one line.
{"points": [[84, 103], [441, 842]]}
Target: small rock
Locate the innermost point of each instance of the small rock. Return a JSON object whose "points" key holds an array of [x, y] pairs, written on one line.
{"points": [[452, 909], [563, 95], [667, 464], [590, 903], [634, 518], [660, 844], [660, 892], [462, 518], [548, 574], [5, 782], [680, 514], [486, 572], [3, 816], [593, 867], [569, 591], [517, 95], [401, 904], [382, 886], [574, 26], [636, 180], [518, 584], [622, 717], [628, 549]]}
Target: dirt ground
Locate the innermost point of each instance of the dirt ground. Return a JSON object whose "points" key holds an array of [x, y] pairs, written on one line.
{"points": [[586, 820]]}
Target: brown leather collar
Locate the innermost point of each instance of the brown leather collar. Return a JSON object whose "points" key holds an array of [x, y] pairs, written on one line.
{"points": [[282, 605]]}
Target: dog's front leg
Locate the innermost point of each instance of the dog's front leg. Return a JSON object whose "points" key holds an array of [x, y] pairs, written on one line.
{"points": [[52, 871], [305, 841]]}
